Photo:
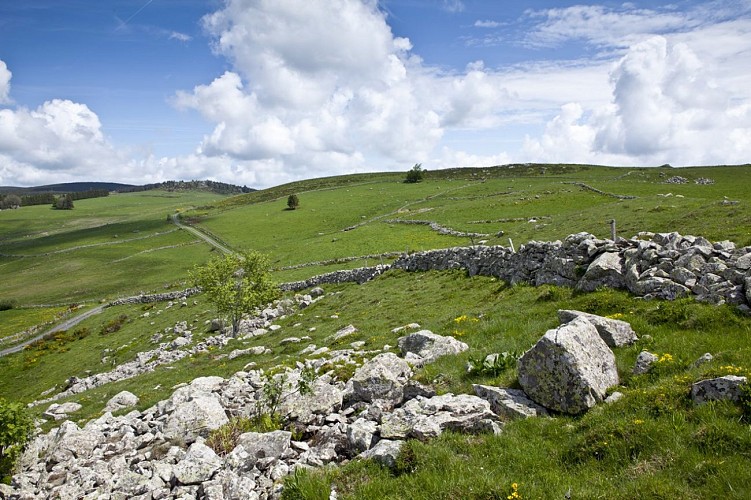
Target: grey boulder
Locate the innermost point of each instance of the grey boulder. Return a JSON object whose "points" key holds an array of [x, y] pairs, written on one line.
{"points": [[569, 369], [614, 332], [428, 346]]}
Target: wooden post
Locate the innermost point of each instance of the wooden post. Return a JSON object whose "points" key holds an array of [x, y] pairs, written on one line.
{"points": [[512, 245], [612, 229]]}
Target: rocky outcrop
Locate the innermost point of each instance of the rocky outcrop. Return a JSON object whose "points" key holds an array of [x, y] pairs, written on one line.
{"points": [[569, 369]]}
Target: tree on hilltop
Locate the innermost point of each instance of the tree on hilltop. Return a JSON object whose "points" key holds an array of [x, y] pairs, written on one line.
{"points": [[415, 174], [236, 284]]}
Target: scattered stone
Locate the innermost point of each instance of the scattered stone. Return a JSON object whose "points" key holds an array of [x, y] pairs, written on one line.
{"points": [[423, 419], [120, 401], [716, 389], [644, 362], [347, 330], [195, 418], [703, 359], [428, 346], [385, 452], [615, 396], [383, 377], [61, 411], [198, 466]]}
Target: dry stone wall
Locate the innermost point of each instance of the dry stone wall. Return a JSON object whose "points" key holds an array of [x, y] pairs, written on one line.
{"points": [[662, 265]]}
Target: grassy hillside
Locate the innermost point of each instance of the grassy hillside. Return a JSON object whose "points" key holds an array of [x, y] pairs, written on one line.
{"points": [[654, 443], [104, 247], [525, 202]]}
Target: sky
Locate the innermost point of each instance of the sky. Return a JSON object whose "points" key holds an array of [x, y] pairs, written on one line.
{"points": [[263, 92]]}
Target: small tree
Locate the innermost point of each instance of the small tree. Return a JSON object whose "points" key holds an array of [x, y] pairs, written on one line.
{"points": [[236, 284], [11, 201], [16, 427], [415, 175], [64, 202], [293, 202]]}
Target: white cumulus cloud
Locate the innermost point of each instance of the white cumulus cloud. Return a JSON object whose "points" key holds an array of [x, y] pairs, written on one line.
{"points": [[664, 109], [5, 76]]}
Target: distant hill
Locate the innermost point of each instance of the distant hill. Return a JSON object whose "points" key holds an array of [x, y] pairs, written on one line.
{"points": [[67, 187], [77, 187]]}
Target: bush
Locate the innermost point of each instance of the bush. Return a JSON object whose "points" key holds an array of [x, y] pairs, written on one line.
{"points": [[415, 175], [114, 325], [7, 304], [16, 427], [293, 202]]}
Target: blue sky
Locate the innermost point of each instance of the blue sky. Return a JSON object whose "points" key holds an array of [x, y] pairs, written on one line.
{"points": [[261, 92]]}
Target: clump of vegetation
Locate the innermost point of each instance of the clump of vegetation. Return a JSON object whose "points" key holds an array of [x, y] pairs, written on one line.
{"points": [[224, 439], [114, 325], [293, 202], [493, 364], [64, 202], [237, 284], [16, 427], [7, 304], [415, 175]]}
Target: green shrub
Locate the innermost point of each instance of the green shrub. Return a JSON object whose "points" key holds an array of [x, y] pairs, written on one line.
{"points": [[114, 325], [492, 364], [16, 427], [415, 174], [7, 304], [224, 439]]}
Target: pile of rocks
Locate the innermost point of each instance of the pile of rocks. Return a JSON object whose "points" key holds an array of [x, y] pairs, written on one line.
{"points": [[162, 451]]}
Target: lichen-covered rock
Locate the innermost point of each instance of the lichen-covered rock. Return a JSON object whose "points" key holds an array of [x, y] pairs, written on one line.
{"points": [[727, 387], [423, 418], [325, 398], [509, 403], [385, 452], [569, 369], [198, 466], [361, 435], [383, 377], [194, 418], [614, 332], [120, 401], [644, 362], [428, 346], [260, 445]]}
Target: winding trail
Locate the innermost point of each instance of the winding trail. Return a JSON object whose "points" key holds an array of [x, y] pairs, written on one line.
{"points": [[65, 325], [208, 239]]}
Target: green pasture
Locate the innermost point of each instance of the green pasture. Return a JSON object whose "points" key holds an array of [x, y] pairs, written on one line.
{"points": [[357, 219], [103, 248]]}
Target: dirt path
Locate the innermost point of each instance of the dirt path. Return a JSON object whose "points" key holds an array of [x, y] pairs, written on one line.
{"points": [[211, 241], [65, 325]]}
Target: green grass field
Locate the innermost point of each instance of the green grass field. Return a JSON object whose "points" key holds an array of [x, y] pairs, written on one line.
{"points": [[103, 248], [654, 443]]}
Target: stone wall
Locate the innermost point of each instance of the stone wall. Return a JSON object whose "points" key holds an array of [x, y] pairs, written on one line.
{"points": [[663, 265], [156, 297]]}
